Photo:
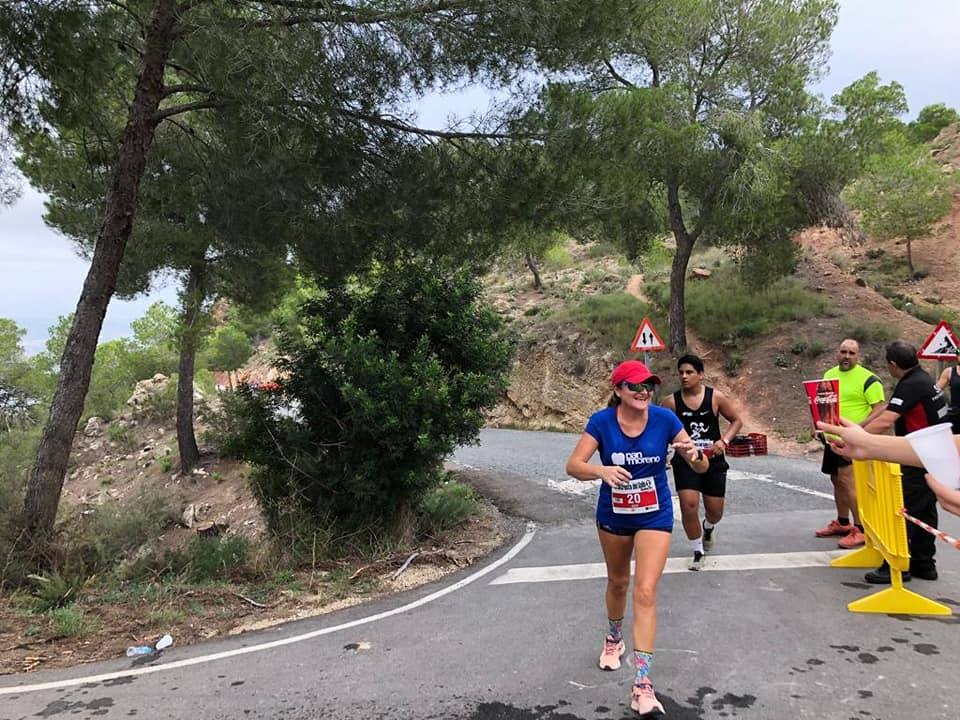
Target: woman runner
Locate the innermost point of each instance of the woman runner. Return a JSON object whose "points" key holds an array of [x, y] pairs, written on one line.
{"points": [[634, 511]]}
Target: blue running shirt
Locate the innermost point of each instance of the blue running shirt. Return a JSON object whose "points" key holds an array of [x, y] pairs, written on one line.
{"points": [[646, 503]]}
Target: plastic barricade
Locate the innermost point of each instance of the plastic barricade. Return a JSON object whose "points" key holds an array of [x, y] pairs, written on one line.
{"points": [[879, 501]]}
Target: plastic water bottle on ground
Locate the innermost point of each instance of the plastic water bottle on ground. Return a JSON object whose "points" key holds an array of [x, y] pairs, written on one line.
{"points": [[139, 650]]}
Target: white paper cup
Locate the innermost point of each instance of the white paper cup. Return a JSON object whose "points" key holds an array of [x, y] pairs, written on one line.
{"points": [[937, 451]]}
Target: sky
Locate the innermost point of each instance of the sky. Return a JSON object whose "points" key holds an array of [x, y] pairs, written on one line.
{"points": [[916, 44]]}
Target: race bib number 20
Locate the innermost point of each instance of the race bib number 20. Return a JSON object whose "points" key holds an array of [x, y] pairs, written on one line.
{"points": [[636, 497]]}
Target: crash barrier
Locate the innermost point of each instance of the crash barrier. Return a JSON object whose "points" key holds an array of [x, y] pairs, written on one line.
{"points": [[938, 534], [880, 505]]}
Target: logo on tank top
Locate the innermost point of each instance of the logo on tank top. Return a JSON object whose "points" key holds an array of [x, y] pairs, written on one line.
{"points": [[633, 458]]}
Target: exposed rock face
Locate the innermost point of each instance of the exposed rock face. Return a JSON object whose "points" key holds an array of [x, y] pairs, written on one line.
{"points": [[946, 148], [94, 427], [145, 390], [543, 394]]}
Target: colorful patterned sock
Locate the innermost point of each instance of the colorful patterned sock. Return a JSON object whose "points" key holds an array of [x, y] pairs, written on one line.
{"points": [[615, 630], [642, 661]]}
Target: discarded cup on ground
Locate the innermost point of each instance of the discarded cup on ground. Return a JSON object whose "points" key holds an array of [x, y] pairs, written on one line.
{"points": [[139, 650], [164, 642], [937, 451]]}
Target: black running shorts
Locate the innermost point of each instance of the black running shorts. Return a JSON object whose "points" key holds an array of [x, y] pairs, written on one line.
{"points": [[832, 462], [712, 483]]}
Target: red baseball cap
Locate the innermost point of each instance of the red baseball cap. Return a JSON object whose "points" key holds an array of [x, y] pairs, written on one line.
{"points": [[633, 371]]}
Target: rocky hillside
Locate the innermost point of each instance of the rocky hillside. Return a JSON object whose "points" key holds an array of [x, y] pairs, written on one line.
{"points": [[560, 373]]}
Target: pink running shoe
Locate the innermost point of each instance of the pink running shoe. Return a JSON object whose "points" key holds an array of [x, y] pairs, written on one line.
{"points": [[644, 701], [852, 539], [612, 651], [833, 528]]}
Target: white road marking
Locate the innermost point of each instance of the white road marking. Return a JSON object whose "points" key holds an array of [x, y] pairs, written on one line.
{"points": [[132, 672], [715, 563], [740, 475]]}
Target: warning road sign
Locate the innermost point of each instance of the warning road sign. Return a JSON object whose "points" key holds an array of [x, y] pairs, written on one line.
{"points": [[646, 338], [941, 345]]}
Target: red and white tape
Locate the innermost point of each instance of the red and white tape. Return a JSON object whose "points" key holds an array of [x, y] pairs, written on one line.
{"points": [[940, 535]]}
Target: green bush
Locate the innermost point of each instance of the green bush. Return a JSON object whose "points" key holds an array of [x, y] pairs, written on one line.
{"points": [[723, 309], [557, 257], [212, 559], [613, 318], [384, 378], [17, 449], [446, 507], [867, 332], [96, 542], [54, 590], [120, 434], [71, 622], [732, 363]]}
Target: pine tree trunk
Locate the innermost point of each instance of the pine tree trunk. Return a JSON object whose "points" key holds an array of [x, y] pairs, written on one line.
{"points": [[45, 483], [910, 258], [190, 328], [678, 273], [532, 264]]}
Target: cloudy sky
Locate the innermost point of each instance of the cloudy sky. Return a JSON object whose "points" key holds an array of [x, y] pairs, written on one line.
{"points": [[914, 43]]}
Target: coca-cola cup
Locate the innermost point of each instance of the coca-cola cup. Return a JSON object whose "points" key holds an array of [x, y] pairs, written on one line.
{"points": [[824, 398]]}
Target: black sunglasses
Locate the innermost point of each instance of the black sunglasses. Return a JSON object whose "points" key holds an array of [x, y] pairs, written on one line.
{"points": [[648, 387]]}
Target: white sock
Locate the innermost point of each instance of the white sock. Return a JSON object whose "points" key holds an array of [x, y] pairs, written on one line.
{"points": [[697, 545], [707, 525]]}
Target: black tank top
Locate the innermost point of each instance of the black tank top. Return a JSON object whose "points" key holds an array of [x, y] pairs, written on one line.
{"points": [[954, 391], [701, 424]]}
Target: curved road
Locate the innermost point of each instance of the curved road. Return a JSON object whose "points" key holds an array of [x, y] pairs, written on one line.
{"points": [[762, 633]]}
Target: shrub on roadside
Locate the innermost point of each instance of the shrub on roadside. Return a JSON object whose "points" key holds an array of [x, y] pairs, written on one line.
{"points": [[446, 507], [383, 379]]}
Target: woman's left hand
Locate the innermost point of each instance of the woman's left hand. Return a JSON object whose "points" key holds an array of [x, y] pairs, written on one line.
{"points": [[687, 449]]}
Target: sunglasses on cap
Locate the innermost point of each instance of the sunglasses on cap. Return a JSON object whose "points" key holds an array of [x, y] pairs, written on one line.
{"points": [[647, 387]]}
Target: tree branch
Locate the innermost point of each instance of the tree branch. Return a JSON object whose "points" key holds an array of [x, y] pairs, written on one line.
{"points": [[165, 113], [345, 14], [184, 87], [617, 76], [396, 124]]}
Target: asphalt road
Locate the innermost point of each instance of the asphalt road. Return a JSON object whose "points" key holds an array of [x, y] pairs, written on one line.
{"points": [[517, 638]]}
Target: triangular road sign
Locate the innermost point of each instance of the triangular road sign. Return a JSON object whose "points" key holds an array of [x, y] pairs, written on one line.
{"points": [[941, 345], [646, 338]]}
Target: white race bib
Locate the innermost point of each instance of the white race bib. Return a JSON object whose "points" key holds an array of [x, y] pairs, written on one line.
{"points": [[637, 497]]}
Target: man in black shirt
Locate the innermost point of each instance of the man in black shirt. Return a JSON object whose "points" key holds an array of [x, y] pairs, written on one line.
{"points": [[916, 403]]}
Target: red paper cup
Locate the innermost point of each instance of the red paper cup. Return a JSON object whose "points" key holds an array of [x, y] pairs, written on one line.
{"points": [[824, 399]]}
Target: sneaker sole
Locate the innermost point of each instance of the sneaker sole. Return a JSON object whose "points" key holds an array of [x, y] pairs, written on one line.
{"points": [[655, 713]]}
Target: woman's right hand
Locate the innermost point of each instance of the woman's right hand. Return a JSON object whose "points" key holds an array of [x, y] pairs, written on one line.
{"points": [[614, 475]]}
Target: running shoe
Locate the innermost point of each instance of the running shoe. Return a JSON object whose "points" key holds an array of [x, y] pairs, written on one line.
{"points": [[854, 538], [833, 528], [644, 701], [697, 561], [708, 537], [612, 651]]}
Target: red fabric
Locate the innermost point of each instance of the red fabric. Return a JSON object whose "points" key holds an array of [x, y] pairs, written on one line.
{"points": [[632, 371]]}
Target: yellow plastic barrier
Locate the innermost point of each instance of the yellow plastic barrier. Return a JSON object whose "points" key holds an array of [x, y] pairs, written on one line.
{"points": [[879, 500]]}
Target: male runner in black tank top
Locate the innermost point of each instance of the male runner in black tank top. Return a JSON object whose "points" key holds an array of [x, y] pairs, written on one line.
{"points": [[699, 408], [950, 378]]}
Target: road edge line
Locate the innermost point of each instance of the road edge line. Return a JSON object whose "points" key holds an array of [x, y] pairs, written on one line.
{"points": [[531, 529]]}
